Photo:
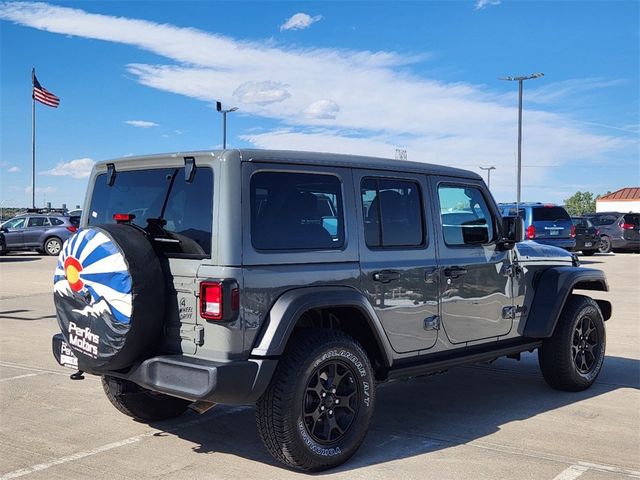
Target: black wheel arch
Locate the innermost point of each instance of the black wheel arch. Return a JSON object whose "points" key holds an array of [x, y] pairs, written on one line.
{"points": [[553, 288], [295, 308]]}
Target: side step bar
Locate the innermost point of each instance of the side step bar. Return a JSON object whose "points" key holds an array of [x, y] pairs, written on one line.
{"points": [[438, 363]]}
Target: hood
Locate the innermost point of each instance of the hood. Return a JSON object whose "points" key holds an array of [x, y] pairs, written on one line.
{"points": [[530, 251]]}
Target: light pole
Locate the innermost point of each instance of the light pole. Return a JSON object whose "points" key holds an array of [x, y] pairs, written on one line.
{"points": [[520, 80], [224, 122], [488, 169]]}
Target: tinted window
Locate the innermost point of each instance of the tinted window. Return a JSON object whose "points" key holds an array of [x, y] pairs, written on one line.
{"points": [[162, 202], [38, 222], [14, 223], [466, 219], [581, 222], [392, 213], [512, 212], [549, 214], [292, 211], [603, 220], [55, 221], [631, 218]]}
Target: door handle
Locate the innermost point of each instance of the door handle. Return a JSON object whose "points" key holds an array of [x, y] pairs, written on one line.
{"points": [[386, 276], [455, 272]]}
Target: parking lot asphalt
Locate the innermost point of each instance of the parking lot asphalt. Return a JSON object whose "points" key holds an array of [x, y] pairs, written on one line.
{"points": [[498, 421]]}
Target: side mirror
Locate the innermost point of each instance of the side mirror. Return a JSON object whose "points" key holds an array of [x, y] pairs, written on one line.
{"points": [[512, 232]]}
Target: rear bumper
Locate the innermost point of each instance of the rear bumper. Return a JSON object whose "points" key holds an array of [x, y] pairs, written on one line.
{"points": [[235, 383], [580, 244], [566, 243]]}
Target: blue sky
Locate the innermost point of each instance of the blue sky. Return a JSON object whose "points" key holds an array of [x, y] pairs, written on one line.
{"points": [[356, 77]]}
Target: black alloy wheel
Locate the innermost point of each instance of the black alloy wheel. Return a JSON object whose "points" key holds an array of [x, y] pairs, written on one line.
{"points": [[585, 348], [331, 401]]}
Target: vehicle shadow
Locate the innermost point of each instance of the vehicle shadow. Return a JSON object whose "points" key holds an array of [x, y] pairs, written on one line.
{"points": [[424, 414], [10, 259], [587, 262]]}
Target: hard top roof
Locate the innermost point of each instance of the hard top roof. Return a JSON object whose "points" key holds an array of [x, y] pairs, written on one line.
{"points": [[318, 158]]}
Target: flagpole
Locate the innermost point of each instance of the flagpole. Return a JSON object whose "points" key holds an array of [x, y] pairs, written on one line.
{"points": [[33, 141]]}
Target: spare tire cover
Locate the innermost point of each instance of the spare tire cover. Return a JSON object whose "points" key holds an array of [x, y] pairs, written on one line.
{"points": [[109, 296]]}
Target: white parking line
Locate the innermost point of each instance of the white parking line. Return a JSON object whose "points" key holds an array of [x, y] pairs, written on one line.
{"points": [[104, 448], [571, 473], [22, 376]]}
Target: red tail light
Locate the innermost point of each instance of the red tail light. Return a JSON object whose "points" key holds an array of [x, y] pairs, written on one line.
{"points": [[573, 231], [123, 217], [211, 307], [627, 226], [72, 228], [531, 232], [219, 300], [598, 232]]}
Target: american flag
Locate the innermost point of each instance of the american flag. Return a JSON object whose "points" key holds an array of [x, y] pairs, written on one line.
{"points": [[43, 95]]}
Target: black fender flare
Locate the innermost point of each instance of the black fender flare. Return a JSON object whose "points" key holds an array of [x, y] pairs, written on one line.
{"points": [[552, 290], [290, 306]]}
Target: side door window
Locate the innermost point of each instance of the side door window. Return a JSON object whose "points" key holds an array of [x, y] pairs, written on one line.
{"points": [[38, 222], [466, 219], [14, 231], [474, 289], [392, 213], [397, 261]]}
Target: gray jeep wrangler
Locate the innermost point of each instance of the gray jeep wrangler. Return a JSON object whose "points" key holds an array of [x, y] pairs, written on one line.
{"points": [[297, 281]]}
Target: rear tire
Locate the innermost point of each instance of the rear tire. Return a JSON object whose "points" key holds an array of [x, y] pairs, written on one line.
{"points": [[316, 411], [52, 246], [572, 358], [605, 244], [142, 404]]}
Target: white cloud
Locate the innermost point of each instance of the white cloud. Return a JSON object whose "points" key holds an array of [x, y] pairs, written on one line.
{"points": [[322, 109], [14, 169], [300, 21], [141, 123], [80, 168], [339, 93], [480, 4], [261, 92]]}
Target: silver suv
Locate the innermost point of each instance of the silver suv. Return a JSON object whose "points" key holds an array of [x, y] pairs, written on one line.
{"points": [[298, 281]]}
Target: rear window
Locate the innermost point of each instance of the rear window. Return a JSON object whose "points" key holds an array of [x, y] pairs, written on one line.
{"points": [[162, 202], [55, 221], [632, 218], [581, 222], [296, 211], [601, 220], [550, 214]]}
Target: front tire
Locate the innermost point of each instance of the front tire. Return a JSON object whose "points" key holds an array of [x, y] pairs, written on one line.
{"points": [[142, 404], [572, 358], [316, 411]]}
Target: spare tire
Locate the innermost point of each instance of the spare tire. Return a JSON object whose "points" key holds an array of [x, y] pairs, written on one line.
{"points": [[109, 296]]}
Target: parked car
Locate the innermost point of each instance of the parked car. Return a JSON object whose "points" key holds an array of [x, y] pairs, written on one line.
{"points": [[618, 231], [587, 236], [39, 230], [214, 277], [545, 223], [3, 244]]}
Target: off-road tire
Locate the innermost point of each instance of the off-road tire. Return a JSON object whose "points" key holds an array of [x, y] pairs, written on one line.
{"points": [[280, 414], [141, 404], [52, 246], [605, 244], [560, 354]]}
